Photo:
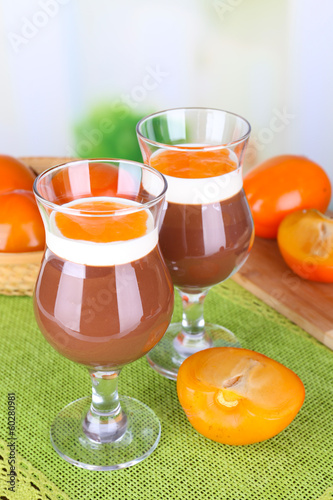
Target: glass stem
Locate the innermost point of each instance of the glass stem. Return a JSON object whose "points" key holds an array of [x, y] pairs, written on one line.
{"points": [[192, 338], [193, 322], [105, 421]]}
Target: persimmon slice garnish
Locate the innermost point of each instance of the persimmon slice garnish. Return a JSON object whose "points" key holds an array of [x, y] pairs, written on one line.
{"points": [[98, 221], [193, 164], [237, 396]]}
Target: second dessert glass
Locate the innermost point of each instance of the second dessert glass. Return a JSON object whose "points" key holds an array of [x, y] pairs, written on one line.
{"points": [[207, 230]]}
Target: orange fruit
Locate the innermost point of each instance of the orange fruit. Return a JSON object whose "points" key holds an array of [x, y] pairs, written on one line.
{"points": [[237, 396], [21, 226], [14, 175], [282, 185]]}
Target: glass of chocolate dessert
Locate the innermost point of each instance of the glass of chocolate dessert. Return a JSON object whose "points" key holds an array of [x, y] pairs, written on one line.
{"points": [[206, 230], [103, 298]]}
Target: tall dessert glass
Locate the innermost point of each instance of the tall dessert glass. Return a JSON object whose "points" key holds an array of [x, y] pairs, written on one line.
{"points": [[206, 228], [103, 298]]}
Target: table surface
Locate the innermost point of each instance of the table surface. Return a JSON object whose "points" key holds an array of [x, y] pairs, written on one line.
{"points": [[295, 465], [307, 303]]}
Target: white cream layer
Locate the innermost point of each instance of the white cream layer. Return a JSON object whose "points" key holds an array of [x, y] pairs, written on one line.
{"points": [[205, 190], [101, 254]]}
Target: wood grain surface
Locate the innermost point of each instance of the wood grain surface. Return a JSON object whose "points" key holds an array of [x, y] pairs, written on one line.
{"points": [[306, 303], [39, 164]]}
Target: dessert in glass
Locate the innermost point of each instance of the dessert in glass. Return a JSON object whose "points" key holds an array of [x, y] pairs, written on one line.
{"points": [[206, 228], [103, 298]]}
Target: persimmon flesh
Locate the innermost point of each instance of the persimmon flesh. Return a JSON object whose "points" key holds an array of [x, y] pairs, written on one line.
{"points": [[21, 226], [236, 396], [305, 240]]}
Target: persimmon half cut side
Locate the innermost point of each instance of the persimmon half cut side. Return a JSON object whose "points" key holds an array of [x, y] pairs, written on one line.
{"points": [[236, 396], [305, 240]]}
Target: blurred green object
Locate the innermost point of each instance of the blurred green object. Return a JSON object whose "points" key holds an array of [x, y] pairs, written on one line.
{"points": [[108, 131]]}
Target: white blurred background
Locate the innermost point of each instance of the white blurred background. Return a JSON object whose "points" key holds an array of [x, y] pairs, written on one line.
{"points": [[77, 74]]}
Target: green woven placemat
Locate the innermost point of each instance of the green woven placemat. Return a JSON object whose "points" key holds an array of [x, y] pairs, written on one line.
{"points": [[295, 465]]}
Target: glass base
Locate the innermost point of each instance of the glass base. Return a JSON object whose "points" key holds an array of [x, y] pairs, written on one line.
{"points": [[138, 442], [167, 356]]}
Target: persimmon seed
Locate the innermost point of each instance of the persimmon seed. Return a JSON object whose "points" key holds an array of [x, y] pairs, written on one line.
{"points": [[220, 399]]}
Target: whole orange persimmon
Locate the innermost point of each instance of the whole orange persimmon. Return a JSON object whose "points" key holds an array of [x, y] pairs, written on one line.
{"points": [[236, 396], [14, 175], [305, 240], [21, 226], [282, 185]]}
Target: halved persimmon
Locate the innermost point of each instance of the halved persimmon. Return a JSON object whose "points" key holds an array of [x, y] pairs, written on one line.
{"points": [[14, 174], [305, 240], [21, 226], [236, 396]]}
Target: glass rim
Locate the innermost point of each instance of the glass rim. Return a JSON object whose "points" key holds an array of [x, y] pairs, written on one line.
{"points": [[73, 211], [199, 148]]}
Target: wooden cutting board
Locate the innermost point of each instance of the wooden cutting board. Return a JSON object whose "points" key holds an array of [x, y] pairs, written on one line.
{"points": [[308, 304], [41, 163]]}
